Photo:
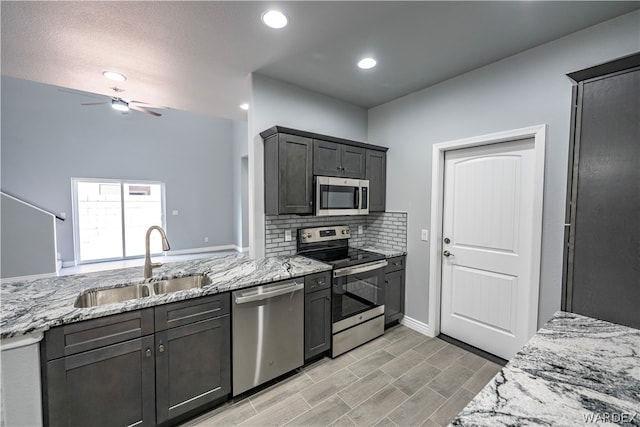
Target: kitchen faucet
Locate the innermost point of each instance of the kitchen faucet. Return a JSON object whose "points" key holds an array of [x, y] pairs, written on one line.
{"points": [[148, 265]]}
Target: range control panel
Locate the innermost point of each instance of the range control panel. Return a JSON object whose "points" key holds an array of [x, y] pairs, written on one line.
{"points": [[323, 234]]}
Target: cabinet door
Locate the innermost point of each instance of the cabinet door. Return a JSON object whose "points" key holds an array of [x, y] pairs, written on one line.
{"points": [[109, 386], [326, 158], [353, 161], [295, 175], [317, 323], [394, 296], [377, 175], [193, 366]]}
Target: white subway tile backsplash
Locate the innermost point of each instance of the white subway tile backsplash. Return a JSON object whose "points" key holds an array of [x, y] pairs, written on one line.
{"points": [[385, 229]]}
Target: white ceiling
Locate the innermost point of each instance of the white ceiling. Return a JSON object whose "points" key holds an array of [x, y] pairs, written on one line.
{"points": [[198, 56]]}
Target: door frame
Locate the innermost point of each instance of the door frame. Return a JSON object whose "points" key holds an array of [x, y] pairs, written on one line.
{"points": [[538, 133]]}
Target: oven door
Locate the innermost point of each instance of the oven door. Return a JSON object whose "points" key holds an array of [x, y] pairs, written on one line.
{"points": [[341, 196], [357, 289]]}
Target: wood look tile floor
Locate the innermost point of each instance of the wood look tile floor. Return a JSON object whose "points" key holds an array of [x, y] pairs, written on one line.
{"points": [[400, 379]]}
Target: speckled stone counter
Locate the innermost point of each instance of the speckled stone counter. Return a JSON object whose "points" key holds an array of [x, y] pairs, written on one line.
{"points": [[40, 304], [575, 371], [386, 251]]}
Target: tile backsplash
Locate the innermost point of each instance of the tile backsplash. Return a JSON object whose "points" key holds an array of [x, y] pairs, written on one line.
{"points": [[384, 229]]}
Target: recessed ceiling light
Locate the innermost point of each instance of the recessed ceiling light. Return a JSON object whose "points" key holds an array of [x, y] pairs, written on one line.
{"points": [[274, 19], [244, 106], [112, 75], [367, 63], [119, 104]]}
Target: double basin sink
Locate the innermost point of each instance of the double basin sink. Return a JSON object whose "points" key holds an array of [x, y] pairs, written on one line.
{"points": [[96, 297]]}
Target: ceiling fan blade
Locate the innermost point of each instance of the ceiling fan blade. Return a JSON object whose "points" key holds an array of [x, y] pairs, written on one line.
{"points": [[95, 103], [80, 93], [146, 104], [144, 110]]}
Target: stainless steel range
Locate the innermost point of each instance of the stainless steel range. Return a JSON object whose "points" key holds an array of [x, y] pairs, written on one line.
{"points": [[357, 296]]}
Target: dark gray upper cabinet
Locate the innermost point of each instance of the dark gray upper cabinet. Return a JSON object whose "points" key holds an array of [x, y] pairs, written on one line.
{"points": [[288, 174], [292, 157], [333, 159], [376, 162]]}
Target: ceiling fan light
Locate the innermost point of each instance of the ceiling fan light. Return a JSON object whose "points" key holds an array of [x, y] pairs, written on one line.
{"points": [[119, 105], [112, 75]]}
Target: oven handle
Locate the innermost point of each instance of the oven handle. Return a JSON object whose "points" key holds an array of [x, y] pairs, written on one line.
{"points": [[340, 272]]}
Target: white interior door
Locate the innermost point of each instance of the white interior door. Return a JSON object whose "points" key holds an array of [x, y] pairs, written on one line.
{"points": [[487, 232]]}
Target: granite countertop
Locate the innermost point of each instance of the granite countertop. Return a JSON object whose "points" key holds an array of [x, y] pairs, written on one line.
{"points": [[386, 251], [40, 304], [575, 371]]}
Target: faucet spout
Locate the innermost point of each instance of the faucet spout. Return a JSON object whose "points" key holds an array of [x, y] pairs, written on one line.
{"points": [[148, 265]]}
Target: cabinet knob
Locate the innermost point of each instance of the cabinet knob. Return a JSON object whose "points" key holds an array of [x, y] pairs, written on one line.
{"points": [[328, 298], [161, 348], [310, 202], [148, 352]]}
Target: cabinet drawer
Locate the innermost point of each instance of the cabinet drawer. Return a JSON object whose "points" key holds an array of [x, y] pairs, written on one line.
{"points": [[396, 263], [191, 311], [91, 334], [315, 282]]}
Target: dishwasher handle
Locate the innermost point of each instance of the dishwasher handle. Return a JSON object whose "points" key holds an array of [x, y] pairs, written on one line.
{"points": [[281, 290]]}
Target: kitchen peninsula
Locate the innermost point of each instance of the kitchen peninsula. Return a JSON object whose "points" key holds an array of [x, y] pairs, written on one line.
{"points": [[576, 370]]}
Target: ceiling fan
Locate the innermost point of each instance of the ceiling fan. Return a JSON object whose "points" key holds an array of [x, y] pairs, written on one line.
{"points": [[124, 105]]}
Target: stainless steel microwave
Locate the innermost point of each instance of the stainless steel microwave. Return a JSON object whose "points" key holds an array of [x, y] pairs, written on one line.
{"points": [[341, 196]]}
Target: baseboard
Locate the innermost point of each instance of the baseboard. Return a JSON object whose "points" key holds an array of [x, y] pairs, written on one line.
{"points": [[66, 264], [241, 249], [417, 326]]}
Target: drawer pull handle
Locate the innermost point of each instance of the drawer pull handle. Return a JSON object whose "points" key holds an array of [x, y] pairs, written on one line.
{"points": [[148, 352], [161, 348]]}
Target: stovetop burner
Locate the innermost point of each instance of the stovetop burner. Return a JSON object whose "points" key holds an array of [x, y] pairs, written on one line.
{"points": [[345, 256], [331, 245]]}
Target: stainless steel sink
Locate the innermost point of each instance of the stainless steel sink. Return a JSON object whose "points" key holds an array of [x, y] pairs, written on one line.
{"points": [[93, 298], [180, 284]]}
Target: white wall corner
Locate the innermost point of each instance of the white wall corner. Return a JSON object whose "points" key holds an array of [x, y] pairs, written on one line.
{"points": [[417, 326]]}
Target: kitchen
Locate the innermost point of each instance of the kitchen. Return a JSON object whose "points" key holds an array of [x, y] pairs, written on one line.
{"points": [[434, 115]]}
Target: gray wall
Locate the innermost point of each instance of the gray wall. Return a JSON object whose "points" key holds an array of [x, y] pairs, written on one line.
{"points": [[530, 88], [277, 103], [240, 223], [28, 240], [47, 138]]}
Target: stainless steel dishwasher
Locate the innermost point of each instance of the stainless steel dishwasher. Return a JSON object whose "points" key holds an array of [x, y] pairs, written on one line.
{"points": [[267, 332]]}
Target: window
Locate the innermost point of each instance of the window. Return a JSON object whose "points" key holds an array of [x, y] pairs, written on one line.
{"points": [[111, 218]]}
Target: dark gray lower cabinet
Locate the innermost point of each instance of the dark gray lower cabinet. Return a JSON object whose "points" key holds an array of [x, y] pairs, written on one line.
{"points": [[317, 314], [146, 379], [108, 386], [192, 366], [394, 290], [317, 323]]}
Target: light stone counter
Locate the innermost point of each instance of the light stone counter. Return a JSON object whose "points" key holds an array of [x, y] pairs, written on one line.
{"points": [[575, 371], [40, 304]]}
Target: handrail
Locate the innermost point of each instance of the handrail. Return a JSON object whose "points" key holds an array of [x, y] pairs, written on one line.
{"points": [[32, 205]]}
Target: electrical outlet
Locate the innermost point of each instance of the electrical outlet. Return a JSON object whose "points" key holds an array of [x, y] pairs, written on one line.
{"points": [[63, 215], [424, 235], [287, 235], [360, 229], [206, 239], [174, 212]]}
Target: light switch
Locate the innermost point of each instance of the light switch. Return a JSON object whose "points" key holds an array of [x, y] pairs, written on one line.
{"points": [[424, 235], [287, 235], [174, 212]]}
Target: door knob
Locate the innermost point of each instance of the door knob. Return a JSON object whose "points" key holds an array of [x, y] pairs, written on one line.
{"points": [[447, 253]]}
